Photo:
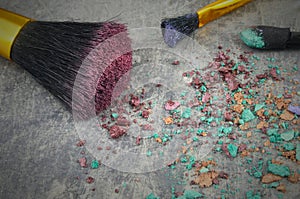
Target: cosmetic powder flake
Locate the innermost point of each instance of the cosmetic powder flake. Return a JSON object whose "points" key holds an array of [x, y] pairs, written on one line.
{"points": [[298, 152], [294, 109], [280, 170]]}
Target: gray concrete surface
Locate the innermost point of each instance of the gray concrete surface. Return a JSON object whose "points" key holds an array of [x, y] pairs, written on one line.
{"points": [[38, 153]]}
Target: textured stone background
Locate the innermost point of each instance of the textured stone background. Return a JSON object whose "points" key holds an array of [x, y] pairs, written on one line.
{"points": [[38, 150]]}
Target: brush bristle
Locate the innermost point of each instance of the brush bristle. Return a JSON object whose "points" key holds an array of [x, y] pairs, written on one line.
{"points": [[58, 55], [175, 29]]}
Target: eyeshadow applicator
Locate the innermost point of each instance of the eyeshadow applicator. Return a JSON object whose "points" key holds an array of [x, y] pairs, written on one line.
{"points": [[269, 37]]}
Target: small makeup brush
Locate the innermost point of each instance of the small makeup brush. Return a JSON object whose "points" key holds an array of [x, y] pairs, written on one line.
{"points": [[174, 29], [269, 37], [65, 58]]}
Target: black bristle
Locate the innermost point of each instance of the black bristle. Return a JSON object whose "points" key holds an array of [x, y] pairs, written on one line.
{"points": [[53, 52], [175, 29]]}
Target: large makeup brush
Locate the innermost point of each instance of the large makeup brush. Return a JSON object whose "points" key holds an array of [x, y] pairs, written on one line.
{"points": [[79, 63], [174, 29], [269, 37]]}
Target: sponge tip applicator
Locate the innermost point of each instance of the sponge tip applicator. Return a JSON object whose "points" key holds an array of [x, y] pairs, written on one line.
{"points": [[252, 38], [268, 37]]}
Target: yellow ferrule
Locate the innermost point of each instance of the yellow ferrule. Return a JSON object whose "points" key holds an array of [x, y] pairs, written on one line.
{"points": [[10, 26], [217, 9]]}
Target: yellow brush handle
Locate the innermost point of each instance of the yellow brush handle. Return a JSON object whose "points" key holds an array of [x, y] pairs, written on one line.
{"points": [[10, 26], [217, 9]]}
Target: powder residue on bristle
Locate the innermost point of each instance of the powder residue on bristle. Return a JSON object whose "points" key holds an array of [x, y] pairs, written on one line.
{"points": [[80, 64], [252, 38], [114, 72]]}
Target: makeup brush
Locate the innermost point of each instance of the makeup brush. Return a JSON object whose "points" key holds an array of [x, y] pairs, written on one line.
{"points": [[174, 29], [79, 63], [269, 37]]}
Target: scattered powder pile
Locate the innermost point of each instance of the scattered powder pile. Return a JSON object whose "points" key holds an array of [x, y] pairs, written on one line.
{"points": [[251, 121]]}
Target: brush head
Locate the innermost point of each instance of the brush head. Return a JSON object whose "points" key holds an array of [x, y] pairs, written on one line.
{"points": [[266, 37], [175, 29], [76, 62]]}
